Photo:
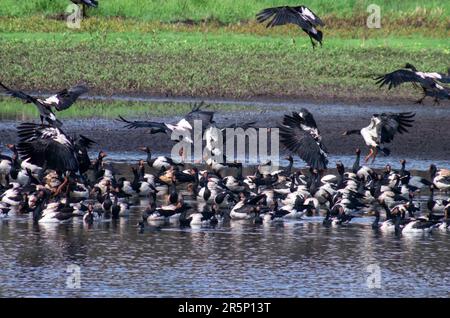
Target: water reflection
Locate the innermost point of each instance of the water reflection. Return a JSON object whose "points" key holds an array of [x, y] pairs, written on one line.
{"points": [[237, 259]]}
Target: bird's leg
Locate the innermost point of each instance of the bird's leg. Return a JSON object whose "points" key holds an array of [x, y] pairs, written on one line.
{"points": [[83, 8], [312, 42], [421, 100], [369, 155], [375, 152], [60, 188], [42, 120], [436, 101]]}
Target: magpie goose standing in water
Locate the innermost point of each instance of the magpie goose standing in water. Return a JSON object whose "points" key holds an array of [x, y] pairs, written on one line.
{"points": [[159, 162], [382, 129], [299, 133], [299, 15], [440, 178], [427, 81], [60, 101]]}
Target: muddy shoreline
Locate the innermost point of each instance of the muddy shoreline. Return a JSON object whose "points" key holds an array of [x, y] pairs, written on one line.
{"points": [[429, 138]]}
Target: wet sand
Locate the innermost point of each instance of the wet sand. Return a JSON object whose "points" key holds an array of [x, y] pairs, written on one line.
{"points": [[429, 138]]}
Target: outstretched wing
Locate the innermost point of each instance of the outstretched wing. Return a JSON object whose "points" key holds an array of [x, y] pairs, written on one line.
{"points": [[197, 113], [388, 124], [310, 16], [65, 98], [283, 15], [84, 141], [142, 124], [19, 94], [399, 77], [44, 110], [304, 140], [46, 145]]}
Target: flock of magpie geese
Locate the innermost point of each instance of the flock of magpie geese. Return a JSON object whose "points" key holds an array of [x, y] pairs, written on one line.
{"points": [[50, 176]]}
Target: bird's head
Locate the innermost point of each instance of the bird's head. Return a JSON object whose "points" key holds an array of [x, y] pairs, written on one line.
{"points": [[411, 67], [318, 36], [144, 149]]}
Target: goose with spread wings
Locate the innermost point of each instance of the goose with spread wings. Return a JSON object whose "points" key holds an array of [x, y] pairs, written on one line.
{"points": [[184, 126], [60, 101], [50, 148], [307, 20], [382, 129], [299, 134], [430, 83]]}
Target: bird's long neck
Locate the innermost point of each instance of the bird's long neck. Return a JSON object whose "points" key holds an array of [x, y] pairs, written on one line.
{"points": [[353, 132], [356, 165], [289, 167]]}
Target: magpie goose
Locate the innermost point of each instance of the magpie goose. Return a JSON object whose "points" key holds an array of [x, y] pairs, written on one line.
{"points": [[299, 15], [49, 147], [427, 81], [382, 129], [45, 110], [299, 133], [185, 125]]}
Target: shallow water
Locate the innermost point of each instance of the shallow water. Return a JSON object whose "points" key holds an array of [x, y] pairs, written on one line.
{"points": [[413, 163], [236, 259]]}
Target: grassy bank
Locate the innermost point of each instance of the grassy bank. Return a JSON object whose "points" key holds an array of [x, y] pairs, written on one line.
{"points": [[16, 110], [227, 11], [219, 64]]}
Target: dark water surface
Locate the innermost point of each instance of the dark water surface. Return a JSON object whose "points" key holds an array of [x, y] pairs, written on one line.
{"points": [[236, 259]]}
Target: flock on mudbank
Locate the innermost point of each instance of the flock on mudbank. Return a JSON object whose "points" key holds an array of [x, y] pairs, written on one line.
{"points": [[50, 176]]}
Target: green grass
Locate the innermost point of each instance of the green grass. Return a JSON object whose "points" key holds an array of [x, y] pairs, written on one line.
{"points": [[227, 11], [219, 64], [12, 109]]}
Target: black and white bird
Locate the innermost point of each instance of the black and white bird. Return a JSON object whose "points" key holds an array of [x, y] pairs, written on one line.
{"points": [[50, 148], [307, 20], [429, 82], [381, 130], [159, 162], [299, 134], [60, 101], [184, 127]]}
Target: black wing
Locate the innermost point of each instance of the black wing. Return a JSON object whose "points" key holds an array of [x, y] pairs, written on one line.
{"points": [[305, 140], [310, 16], [46, 146], [283, 15], [160, 127], [402, 76], [19, 94], [43, 109], [206, 117], [82, 144], [65, 98], [84, 141], [388, 124]]}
